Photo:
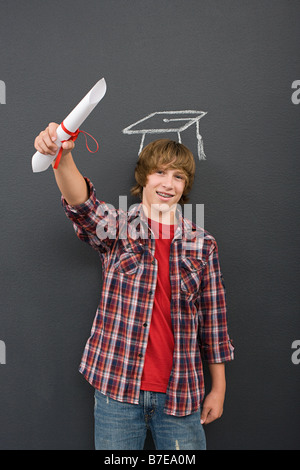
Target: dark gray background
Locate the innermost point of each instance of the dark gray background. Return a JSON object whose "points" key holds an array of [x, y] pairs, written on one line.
{"points": [[235, 59]]}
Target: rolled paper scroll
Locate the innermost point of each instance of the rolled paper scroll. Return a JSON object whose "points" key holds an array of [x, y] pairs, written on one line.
{"points": [[71, 124]]}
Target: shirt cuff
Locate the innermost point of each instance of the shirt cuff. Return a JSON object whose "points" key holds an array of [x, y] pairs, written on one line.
{"points": [[217, 353]]}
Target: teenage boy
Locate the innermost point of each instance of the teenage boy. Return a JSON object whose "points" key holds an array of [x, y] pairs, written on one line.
{"points": [[162, 309]]}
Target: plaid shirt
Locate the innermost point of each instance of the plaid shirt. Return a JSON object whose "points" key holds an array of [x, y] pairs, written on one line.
{"points": [[114, 354]]}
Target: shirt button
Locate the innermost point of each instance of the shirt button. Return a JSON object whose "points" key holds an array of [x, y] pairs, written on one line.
{"points": [[145, 324], [140, 355], [150, 292], [153, 262]]}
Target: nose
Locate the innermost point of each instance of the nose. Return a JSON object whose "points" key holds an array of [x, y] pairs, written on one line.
{"points": [[168, 181]]}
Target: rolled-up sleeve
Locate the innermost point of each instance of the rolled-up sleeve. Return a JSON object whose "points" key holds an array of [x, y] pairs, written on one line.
{"points": [[214, 341], [94, 221]]}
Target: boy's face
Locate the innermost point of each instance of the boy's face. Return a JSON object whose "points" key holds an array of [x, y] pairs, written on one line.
{"points": [[162, 192]]}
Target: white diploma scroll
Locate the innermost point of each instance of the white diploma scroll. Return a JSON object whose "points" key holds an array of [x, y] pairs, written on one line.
{"points": [[72, 122]]}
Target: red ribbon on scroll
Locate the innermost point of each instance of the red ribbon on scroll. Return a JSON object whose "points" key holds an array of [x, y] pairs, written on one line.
{"points": [[73, 137]]}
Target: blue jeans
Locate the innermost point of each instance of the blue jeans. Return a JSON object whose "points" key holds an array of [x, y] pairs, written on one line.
{"points": [[123, 426]]}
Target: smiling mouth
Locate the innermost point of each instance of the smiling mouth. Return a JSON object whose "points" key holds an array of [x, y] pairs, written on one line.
{"points": [[164, 195]]}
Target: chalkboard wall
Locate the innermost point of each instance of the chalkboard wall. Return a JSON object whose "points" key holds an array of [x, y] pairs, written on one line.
{"points": [[237, 61]]}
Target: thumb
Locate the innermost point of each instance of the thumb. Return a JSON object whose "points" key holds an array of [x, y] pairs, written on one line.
{"points": [[68, 145], [204, 414]]}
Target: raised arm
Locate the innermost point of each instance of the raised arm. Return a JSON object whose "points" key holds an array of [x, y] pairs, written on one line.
{"points": [[70, 181]]}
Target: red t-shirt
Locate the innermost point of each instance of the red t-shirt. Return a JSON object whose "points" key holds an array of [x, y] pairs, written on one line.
{"points": [[159, 353]]}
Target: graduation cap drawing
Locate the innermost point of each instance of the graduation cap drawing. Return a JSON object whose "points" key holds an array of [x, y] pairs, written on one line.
{"points": [[162, 122]]}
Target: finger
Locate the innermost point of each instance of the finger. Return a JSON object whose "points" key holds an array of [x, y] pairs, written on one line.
{"points": [[38, 148], [43, 143], [210, 418], [52, 130], [46, 145], [42, 147], [46, 137]]}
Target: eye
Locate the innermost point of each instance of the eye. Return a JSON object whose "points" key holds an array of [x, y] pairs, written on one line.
{"points": [[180, 177]]}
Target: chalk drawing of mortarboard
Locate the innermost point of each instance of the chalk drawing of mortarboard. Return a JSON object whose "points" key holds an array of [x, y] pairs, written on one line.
{"points": [[163, 122]]}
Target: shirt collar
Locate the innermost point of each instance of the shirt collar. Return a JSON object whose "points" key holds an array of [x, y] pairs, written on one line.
{"points": [[186, 229]]}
